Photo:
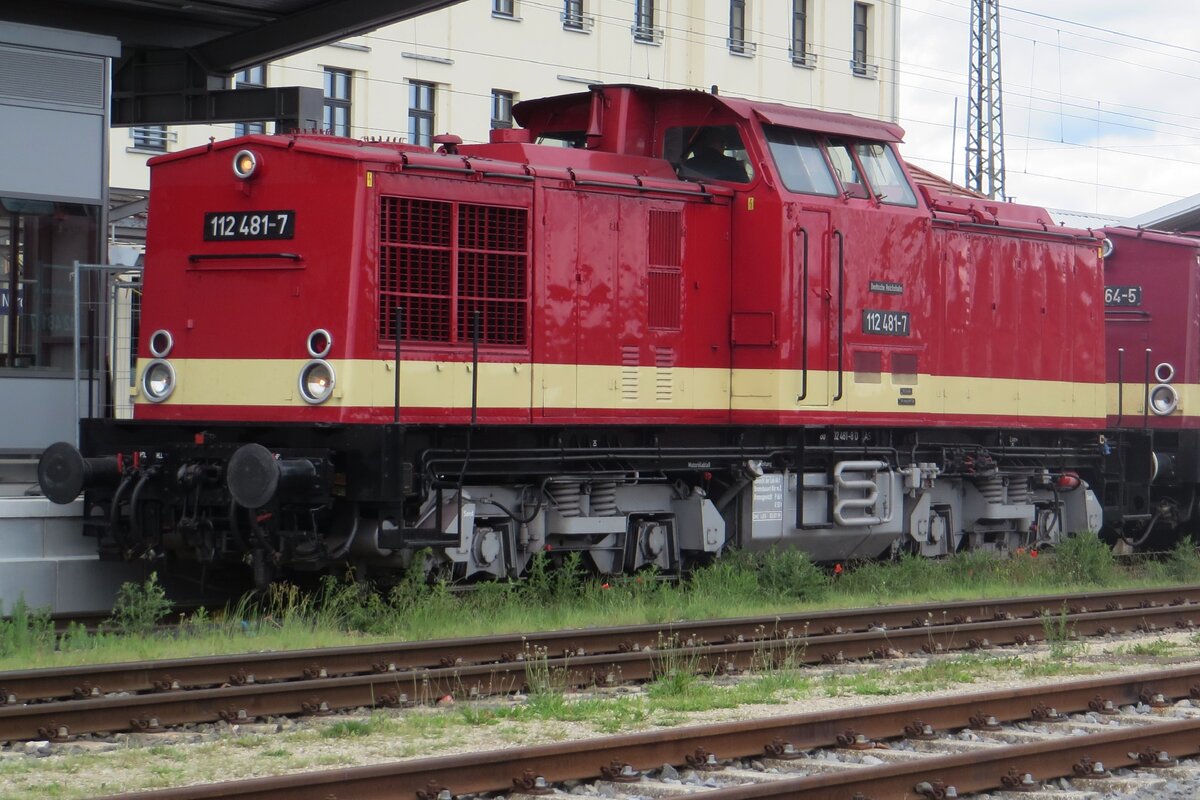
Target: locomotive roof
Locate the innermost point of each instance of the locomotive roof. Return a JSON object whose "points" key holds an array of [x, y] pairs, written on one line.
{"points": [[528, 112]]}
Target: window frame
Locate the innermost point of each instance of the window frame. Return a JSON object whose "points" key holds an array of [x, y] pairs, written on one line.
{"points": [[860, 42], [573, 18], [644, 29], [503, 101], [800, 55], [737, 27], [334, 102], [420, 115], [506, 9]]}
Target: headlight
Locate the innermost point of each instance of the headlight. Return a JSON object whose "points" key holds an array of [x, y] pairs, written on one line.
{"points": [[1164, 372], [316, 381], [1163, 399], [158, 380], [244, 164]]}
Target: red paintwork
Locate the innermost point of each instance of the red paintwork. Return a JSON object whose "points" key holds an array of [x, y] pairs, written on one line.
{"points": [[1167, 267], [993, 289]]}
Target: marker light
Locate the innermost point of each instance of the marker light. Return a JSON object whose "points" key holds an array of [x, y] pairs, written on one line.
{"points": [[319, 343], [158, 380], [161, 343], [316, 381], [244, 164], [1164, 372]]}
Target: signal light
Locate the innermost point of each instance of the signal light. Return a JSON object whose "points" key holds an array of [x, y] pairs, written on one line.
{"points": [[1068, 481], [245, 164]]}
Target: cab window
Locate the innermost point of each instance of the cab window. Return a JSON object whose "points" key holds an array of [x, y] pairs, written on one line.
{"points": [[708, 153], [847, 170], [884, 174], [801, 165]]}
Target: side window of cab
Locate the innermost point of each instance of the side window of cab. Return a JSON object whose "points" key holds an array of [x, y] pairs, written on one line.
{"points": [[708, 153]]}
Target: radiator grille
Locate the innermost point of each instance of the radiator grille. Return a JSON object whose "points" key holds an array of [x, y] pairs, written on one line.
{"points": [[666, 236], [442, 262], [662, 296]]}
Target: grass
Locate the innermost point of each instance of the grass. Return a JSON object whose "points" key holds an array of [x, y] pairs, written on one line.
{"points": [[564, 595]]}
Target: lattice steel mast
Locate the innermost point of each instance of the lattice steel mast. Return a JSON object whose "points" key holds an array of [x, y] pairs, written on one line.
{"points": [[985, 113]]}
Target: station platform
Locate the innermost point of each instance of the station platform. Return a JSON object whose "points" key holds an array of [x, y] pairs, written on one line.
{"points": [[44, 556]]}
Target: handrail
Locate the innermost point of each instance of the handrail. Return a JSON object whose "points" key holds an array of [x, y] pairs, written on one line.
{"points": [[804, 320], [841, 310], [1120, 384], [1146, 393]]}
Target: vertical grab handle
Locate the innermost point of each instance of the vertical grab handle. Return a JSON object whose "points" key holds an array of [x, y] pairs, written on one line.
{"points": [[1120, 384], [1146, 393], [841, 313], [803, 318]]}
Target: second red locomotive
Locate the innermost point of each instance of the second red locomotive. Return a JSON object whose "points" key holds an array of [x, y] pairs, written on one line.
{"points": [[647, 325]]}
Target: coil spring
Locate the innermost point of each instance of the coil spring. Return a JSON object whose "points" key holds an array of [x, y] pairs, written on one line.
{"points": [[566, 497], [1020, 485], [604, 499], [991, 488]]}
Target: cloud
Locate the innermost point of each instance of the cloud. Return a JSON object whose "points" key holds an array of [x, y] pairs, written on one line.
{"points": [[1098, 109]]}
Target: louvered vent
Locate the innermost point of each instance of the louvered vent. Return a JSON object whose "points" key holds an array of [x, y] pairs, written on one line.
{"points": [[441, 262], [51, 77], [664, 278]]}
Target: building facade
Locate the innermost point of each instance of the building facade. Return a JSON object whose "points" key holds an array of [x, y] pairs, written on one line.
{"points": [[460, 70]]}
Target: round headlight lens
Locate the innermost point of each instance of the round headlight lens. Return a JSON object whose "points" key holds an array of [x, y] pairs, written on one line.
{"points": [[1164, 372], [316, 381], [1163, 399], [244, 164], [158, 380]]}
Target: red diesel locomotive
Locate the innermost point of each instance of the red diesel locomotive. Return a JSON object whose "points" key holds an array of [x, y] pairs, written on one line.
{"points": [[646, 326]]}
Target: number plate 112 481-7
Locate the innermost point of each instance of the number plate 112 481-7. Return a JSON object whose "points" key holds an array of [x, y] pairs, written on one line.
{"points": [[235, 226], [885, 323]]}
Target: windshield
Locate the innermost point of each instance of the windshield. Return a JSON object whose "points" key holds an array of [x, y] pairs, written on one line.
{"points": [[799, 160], [884, 174]]}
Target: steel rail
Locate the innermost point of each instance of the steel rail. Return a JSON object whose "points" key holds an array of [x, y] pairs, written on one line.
{"points": [[59, 720], [94, 680], [585, 759]]}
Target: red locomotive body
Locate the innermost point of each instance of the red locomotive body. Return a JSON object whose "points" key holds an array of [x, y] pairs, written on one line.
{"points": [[1152, 347], [647, 325]]}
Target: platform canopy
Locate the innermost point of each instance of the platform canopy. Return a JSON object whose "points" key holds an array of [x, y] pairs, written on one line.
{"points": [[176, 55]]}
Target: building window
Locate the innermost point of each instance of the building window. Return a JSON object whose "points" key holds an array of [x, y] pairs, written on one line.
{"points": [[504, 8], [502, 104], [800, 54], [150, 137], [420, 113], [861, 18], [252, 78], [337, 101], [643, 22], [737, 26], [573, 14]]}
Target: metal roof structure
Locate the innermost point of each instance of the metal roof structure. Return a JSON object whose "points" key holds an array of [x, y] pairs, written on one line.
{"points": [[177, 54], [1180, 216]]}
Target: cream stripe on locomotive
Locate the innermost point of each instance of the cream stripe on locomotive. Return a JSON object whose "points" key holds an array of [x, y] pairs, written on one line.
{"points": [[442, 384], [1133, 395]]}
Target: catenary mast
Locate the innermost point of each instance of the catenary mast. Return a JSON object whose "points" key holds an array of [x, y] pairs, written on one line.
{"points": [[985, 115]]}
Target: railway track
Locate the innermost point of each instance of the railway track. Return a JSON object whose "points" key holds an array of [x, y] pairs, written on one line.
{"points": [[150, 696], [1012, 739]]}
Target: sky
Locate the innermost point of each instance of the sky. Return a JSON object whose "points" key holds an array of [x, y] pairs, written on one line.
{"points": [[1100, 111]]}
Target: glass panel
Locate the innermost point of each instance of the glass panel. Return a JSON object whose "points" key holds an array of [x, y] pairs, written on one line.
{"points": [[799, 160], [884, 174], [712, 152], [39, 241], [846, 170]]}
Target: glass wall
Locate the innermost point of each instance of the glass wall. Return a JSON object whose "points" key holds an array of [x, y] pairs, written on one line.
{"points": [[39, 242]]}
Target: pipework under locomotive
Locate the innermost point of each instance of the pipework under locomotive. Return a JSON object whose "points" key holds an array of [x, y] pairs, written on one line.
{"points": [[647, 325]]}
